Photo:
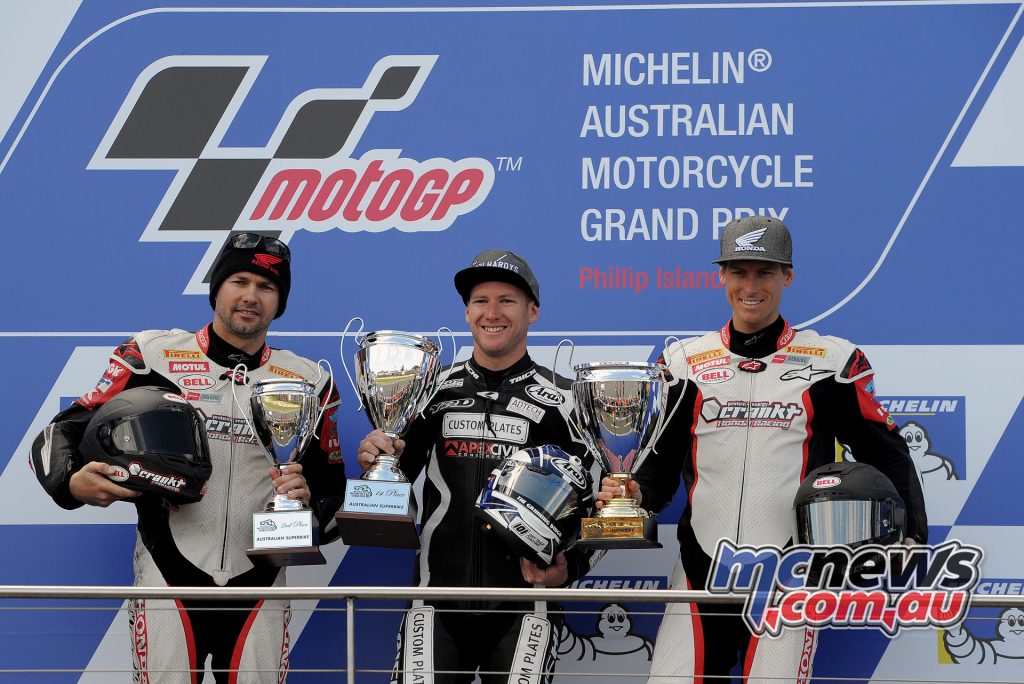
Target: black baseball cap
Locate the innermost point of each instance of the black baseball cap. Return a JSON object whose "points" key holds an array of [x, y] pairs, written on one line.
{"points": [[756, 238], [497, 265]]}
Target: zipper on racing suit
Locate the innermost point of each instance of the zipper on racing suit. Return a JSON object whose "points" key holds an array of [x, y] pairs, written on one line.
{"points": [[227, 490], [746, 454]]}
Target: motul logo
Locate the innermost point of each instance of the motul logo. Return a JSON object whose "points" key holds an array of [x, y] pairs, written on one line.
{"points": [[189, 367], [305, 178]]}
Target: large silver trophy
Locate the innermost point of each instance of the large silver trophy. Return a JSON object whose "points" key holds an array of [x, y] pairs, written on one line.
{"points": [[620, 406], [285, 414], [396, 374]]}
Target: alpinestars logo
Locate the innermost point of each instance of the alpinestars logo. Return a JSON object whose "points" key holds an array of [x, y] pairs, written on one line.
{"points": [[180, 108]]}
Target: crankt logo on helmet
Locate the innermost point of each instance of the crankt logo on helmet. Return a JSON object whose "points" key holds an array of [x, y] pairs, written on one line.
{"points": [[180, 108]]}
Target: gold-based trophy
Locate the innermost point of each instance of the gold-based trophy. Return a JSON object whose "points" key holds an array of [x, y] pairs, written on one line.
{"points": [[285, 414], [620, 407], [396, 374]]}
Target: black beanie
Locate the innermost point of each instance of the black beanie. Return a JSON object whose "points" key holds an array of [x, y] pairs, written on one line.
{"points": [[256, 260]]}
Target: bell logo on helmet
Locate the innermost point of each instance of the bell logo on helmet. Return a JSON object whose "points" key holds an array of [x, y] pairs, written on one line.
{"points": [[826, 482], [119, 474]]}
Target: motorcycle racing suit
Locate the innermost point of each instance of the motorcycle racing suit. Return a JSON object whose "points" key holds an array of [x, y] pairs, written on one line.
{"points": [[204, 543], [477, 419], [750, 416]]}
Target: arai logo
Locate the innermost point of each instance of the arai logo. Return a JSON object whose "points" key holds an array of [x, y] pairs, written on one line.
{"points": [[546, 395]]}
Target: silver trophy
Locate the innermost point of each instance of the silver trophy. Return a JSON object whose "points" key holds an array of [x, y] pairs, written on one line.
{"points": [[285, 414], [620, 406], [396, 375]]}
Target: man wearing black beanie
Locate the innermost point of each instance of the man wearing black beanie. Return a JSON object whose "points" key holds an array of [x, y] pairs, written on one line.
{"points": [[204, 543]]}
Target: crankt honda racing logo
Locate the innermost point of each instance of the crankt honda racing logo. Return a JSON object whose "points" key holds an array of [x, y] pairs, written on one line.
{"points": [[872, 586], [180, 108]]}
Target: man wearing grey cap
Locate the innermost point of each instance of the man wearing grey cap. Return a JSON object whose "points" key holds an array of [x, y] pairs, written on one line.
{"points": [[487, 408], [754, 407]]}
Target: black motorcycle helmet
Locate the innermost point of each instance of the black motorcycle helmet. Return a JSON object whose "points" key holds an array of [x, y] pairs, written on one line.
{"points": [[849, 504], [156, 440], [535, 500]]}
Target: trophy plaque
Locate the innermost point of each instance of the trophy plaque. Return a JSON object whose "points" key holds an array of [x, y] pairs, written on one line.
{"points": [[285, 414], [396, 374], [620, 408]]}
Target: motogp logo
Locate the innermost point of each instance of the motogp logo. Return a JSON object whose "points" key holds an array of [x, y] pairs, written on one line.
{"points": [[180, 108]]}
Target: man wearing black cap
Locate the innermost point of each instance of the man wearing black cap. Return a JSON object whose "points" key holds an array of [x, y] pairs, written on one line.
{"points": [[754, 407], [487, 408], [204, 543]]}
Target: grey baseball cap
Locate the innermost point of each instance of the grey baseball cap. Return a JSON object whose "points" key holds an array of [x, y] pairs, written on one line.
{"points": [[756, 238], [500, 265]]}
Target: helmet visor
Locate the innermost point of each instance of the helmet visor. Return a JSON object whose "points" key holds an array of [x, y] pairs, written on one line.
{"points": [[548, 492], [163, 432], [846, 522]]}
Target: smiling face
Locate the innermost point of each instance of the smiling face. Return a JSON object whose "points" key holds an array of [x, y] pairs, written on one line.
{"points": [[244, 307], [754, 292], [614, 621], [1011, 624], [499, 315], [917, 439]]}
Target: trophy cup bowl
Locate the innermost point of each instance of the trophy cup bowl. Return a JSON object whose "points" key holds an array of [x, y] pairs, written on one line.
{"points": [[285, 414], [620, 407], [396, 374]]}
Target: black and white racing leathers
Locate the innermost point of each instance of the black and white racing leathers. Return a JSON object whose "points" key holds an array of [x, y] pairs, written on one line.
{"points": [[204, 543], [747, 423], [477, 419]]}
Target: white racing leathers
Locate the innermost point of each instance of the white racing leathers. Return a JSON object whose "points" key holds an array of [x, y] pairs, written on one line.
{"points": [[204, 543], [470, 426], [743, 432]]}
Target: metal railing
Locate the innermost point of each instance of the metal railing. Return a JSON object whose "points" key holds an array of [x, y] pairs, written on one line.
{"points": [[350, 595]]}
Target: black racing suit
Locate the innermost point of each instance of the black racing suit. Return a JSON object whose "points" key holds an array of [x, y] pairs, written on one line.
{"points": [[204, 543], [476, 420], [751, 415]]}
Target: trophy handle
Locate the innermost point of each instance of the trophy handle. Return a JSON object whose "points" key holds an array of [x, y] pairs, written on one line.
{"points": [[667, 345], [341, 350], [321, 410], [554, 364], [663, 420], [244, 370], [435, 379]]}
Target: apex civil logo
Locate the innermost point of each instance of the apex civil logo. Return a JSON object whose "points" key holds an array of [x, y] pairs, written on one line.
{"points": [[176, 116]]}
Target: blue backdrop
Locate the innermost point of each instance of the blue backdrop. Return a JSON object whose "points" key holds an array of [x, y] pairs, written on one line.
{"points": [[605, 143]]}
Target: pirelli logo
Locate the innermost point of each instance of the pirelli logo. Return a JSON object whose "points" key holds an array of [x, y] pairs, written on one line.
{"points": [[807, 351], [284, 372], [182, 354], [705, 356]]}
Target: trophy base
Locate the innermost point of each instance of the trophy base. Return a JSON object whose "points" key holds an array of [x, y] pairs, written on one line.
{"points": [[282, 538], [619, 533], [375, 529], [279, 558]]}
